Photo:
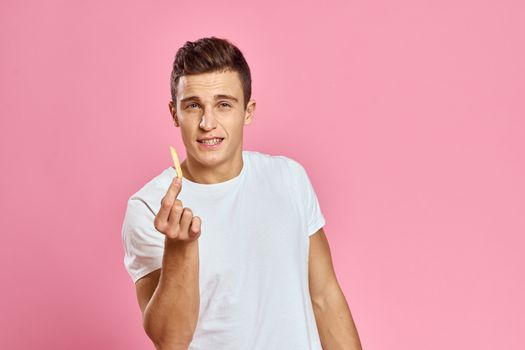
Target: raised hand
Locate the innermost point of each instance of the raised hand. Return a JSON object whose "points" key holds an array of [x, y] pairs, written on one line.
{"points": [[173, 220]]}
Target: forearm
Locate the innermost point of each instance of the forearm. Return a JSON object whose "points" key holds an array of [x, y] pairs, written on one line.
{"points": [[334, 322], [171, 315]]}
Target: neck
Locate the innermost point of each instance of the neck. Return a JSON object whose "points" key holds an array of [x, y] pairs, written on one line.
{"points": [[206, 174]]}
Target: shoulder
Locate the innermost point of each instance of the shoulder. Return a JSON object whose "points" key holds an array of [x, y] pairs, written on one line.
{"points": [[137, 227], [275, 163], [150, 194]]}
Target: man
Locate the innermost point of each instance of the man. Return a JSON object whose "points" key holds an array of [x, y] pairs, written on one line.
{"points": [[234, 256]]}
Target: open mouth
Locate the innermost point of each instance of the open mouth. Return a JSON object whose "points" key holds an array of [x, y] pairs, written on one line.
{"points": [[211, 142]]}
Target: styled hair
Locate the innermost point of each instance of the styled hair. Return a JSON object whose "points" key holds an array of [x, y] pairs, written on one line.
{"points": [[208, 55]]}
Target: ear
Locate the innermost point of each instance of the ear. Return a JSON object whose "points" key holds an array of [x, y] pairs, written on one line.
{"points": [[250, 112], [173, 112]]}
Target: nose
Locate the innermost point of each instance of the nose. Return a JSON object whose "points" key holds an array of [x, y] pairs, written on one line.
{"points": [[208, 121]]}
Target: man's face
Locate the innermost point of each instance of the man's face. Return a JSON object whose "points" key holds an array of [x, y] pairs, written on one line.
{"points": [[211, 105]]}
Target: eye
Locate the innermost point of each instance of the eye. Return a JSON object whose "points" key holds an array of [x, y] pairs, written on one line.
{"points": [[225, 105], [190, 105]]}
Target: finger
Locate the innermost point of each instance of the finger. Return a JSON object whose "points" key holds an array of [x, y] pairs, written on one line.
{"points": [[195, 228], [185, 221], [175, 187], [167, 202], [174, 219]]}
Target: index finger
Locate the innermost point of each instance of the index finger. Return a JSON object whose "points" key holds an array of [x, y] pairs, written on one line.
{"points": [[168, 200], [174, 189], [176, 162]]}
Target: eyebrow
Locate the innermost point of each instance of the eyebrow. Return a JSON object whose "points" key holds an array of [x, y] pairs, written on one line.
{"points": [[217, 97]]}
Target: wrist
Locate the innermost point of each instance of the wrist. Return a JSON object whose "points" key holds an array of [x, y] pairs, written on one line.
{"points": [[181, 248]]}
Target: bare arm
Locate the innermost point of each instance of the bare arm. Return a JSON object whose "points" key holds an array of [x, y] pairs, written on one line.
{"points": [[169, 297], [332, 314]]}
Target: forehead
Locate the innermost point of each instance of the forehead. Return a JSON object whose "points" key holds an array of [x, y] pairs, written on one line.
{"points": [[209, 84]]}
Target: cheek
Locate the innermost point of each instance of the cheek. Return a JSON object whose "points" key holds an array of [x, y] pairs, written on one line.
{"points": [[234, 123], [233, 128], [187, 131]]}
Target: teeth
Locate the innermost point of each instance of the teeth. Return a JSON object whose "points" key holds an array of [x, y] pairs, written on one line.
{"points": [[211, 142]]}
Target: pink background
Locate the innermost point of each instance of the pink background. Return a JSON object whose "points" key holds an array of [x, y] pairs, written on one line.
{"points": [[407, 115]]}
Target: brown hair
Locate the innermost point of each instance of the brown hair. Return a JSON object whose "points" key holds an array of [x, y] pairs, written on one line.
{"points": [[207, 55]]}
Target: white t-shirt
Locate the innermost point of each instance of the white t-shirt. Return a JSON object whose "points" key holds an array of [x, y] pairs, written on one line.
{"points": [[253, 252]]}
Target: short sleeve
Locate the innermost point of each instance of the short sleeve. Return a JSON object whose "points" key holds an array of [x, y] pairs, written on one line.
{"points": [[308, 202], [143, 244]]}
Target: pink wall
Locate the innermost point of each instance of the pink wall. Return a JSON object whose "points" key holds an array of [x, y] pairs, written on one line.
{"points": [[408, 116]]}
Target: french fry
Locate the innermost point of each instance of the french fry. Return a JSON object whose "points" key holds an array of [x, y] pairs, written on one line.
{"points": [[176, 162]]}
